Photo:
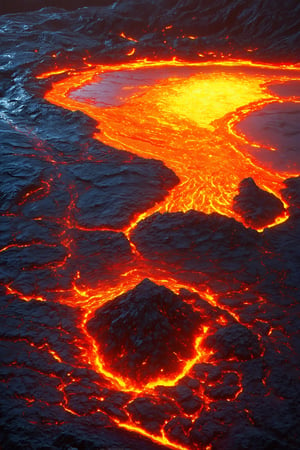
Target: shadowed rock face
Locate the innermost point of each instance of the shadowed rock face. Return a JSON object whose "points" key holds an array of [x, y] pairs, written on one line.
{"points": [[257, 207], [31, 5], [146, 332]]}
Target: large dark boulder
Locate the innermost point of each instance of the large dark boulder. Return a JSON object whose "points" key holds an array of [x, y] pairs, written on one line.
{"points": [[110, 194], [257, 207], [146, 332], [197, 244]]}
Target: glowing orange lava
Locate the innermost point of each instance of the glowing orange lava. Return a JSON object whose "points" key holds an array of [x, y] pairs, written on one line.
{"points": [[93, 299], [189, 124]]}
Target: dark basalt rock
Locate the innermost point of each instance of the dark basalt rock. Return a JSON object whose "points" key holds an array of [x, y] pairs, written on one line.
{"points": [[151, 413], [145, 332], [283, 242], [235, 341], [245, 433], [291, 194], [35, 256], [18, 176], [206, 429], [193, 242], [227, 389], [43, 376], [96, 255], [257, 207], [110, 194], [253, 438], [178, 429]]}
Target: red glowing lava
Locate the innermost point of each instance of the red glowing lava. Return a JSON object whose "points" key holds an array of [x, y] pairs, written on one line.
{"points": [[188, 122]]}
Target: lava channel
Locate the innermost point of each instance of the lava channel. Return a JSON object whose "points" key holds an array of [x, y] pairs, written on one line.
{"points": [[184, 114]]}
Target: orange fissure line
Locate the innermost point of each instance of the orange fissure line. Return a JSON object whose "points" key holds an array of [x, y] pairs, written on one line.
{"points": [[191, 126]]}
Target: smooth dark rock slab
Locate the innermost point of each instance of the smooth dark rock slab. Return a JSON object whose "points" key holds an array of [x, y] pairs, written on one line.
{"points": [[96, 255], [291, 194], [151, 413]]}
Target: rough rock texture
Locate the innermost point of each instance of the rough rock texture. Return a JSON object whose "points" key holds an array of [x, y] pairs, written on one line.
{"points": [[38, 384], [59, 238], [109, 194], [283, 241], [229, 26], [257, 207], [146, 332], [196, 243], [235, 340], [291, 194]]}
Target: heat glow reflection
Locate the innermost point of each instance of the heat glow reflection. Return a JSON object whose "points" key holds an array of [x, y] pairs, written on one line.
{"points": [[188, 122], [186, 119]]}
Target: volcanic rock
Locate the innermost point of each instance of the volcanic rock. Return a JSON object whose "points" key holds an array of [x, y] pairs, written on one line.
{"points": [[206, 428], [151, 413], [145, 332], [110, 194], [178, 428], [257, 207], [196, 243], [282, 242], [235, 341], [253, 438], [103, 253], [18, 176], [291, 194], [227, 389], [26, 257]]}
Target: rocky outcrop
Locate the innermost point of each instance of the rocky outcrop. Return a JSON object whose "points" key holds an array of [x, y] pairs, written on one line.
{"points": [[146, 333], [200, 246], [258, 208]]}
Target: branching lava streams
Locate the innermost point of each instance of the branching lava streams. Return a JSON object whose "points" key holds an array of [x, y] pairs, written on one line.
{"points": [[186, 117], [177, 121]]}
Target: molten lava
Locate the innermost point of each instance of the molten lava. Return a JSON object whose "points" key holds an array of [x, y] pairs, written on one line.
{"points": [[186, 117], [187, 122]]}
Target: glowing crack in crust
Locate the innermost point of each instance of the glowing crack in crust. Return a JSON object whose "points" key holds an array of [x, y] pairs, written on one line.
{"points": [[189, 124]]}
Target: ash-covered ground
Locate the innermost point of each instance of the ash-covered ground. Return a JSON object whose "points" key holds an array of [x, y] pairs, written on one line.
{"points": [[57, 184]]}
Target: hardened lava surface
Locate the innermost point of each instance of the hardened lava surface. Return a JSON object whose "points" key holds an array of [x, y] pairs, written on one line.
{"points": [[146, 332], [124, 325]]}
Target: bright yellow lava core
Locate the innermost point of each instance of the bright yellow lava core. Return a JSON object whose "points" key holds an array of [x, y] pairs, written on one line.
{"points": [[204, 98]]}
